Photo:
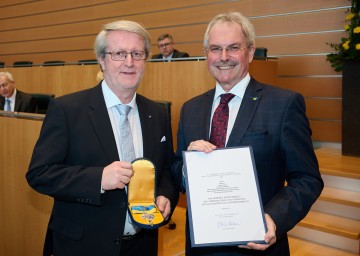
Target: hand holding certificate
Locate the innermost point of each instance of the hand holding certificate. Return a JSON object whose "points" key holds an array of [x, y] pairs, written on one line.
{"points": [[223, 198]]}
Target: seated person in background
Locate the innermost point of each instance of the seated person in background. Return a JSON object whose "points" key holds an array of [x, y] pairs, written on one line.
{"points": [[12, 99], [166, 44]]}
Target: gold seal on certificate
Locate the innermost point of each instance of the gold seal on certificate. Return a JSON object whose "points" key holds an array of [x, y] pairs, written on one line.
{"points": [[223, 197]]}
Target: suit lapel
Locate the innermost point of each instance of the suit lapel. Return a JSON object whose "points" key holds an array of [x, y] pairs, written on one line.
{"points": [[100, 120], [2, 103], [147, 124], [246, 112], [206, 116], [18, 100]]}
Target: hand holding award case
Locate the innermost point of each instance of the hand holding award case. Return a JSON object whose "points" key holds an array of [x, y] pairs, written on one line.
{"points": [[141, 195]]}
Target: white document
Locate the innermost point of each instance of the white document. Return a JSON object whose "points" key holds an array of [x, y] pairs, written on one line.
{"points": [[223, 198]]}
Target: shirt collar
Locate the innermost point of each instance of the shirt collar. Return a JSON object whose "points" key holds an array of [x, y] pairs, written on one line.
{"points": [[238, 90], [168, 57], [111, 100], [13, 96]]}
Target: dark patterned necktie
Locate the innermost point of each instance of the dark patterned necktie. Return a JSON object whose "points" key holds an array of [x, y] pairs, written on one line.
{"points": [[220, 121]]}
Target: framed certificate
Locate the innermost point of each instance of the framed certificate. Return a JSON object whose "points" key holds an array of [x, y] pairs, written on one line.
{"points": [[223, 197]]}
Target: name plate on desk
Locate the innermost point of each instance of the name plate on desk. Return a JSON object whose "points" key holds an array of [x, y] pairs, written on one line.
{"points": [[223, 197]]}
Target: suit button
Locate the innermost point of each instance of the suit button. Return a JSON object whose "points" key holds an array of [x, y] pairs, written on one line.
{"points": [[117, 241], [122, 205]]}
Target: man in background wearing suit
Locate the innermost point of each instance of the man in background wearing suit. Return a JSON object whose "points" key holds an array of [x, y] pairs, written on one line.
{"points": [[270, 120], [166, 44], [80, 159], [12, 99]]}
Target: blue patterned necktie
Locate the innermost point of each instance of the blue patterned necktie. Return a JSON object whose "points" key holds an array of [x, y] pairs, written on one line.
{"points": [[7, 105], [126, 141]]}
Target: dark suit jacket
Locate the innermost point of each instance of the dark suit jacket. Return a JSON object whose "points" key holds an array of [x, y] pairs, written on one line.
{"points": [[76, 142], [23, 102], [176, 54], [273, 122]]}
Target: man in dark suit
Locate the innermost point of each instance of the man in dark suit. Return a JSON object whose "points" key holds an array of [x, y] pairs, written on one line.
{"points": [[79, 157], [270, 120], [166, 44], [12, 99]]}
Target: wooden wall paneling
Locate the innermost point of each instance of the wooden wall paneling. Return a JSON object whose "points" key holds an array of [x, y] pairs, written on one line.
{"points": [[299, 44], [51, 45], [51, 32], [299, 22], [327, 109], [307, 65], [39, 58], [6, 3], [185, 33], [58, 80], [264, 7], [328, 87], [194, 15], [24, 213], [67, 44], [109, 11], [46, 6], [51, 18], [140, 7], [326, 131]]}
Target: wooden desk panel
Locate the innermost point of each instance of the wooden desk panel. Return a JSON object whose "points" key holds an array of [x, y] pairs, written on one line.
{"points": [[24, 213]]}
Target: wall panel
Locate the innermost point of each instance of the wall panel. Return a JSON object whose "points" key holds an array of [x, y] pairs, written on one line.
{"points": [[266, 7], [324, 109], [308, 65], [299, 44], [299, 22], [329, 131], [24, 212], [46, 6], [135, 10], [6, 3], [39, 58], [327, 87]]}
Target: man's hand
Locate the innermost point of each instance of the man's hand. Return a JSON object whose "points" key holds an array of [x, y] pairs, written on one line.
{"points": [[164, 206], [202, 146], [116, 175], [270, 236]]}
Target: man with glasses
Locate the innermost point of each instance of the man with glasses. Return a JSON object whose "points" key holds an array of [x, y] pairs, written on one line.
{"points": [[83, 156], [270, 120], [166, 44], [12, 99]]}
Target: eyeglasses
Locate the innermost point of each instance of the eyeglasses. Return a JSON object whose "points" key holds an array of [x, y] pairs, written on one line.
{"points": [[164, 45], [121, 55], [4, 85], [231, 50]]}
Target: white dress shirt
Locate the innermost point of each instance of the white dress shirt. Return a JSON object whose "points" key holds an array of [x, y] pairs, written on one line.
{"points": [[111, 100], [234, 105]]}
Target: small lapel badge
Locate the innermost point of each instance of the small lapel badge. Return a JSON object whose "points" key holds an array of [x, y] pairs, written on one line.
{"points": [[163, 139]]}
